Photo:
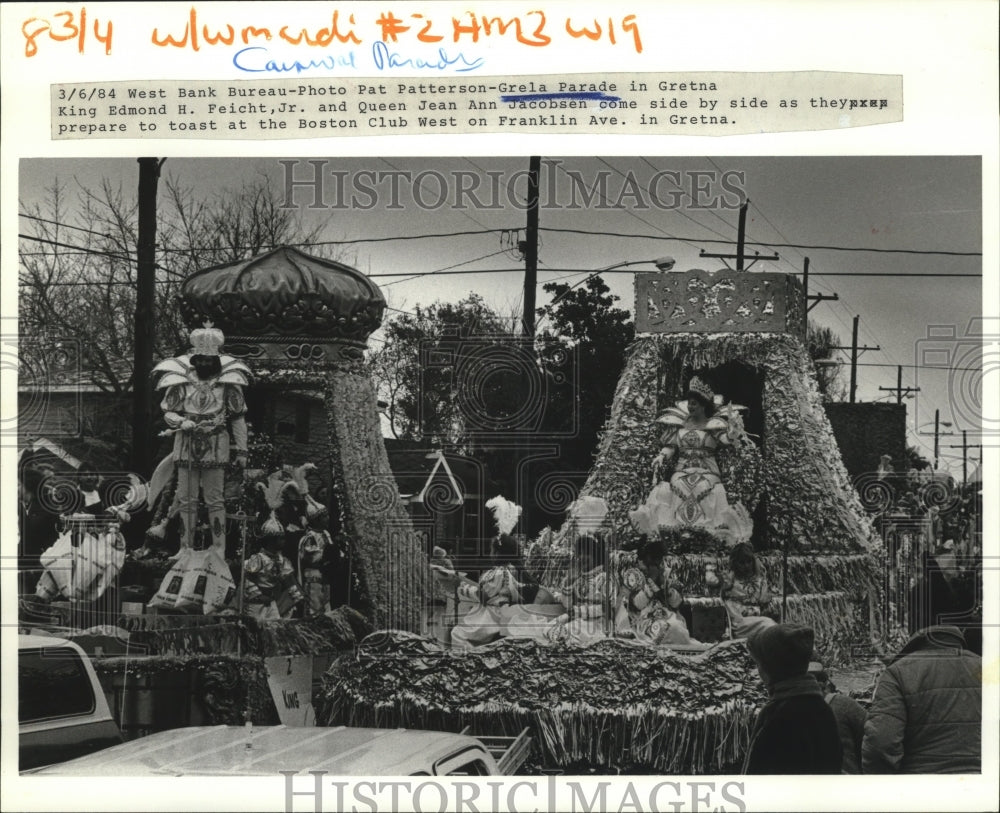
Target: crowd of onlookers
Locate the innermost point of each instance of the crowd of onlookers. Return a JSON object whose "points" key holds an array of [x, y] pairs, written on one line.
{"points": [[925, 716]]}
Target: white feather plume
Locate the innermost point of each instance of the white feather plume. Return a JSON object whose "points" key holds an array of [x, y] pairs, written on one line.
{"points": [[505, 513]]}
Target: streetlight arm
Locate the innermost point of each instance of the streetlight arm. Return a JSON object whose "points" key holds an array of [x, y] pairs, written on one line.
{"points": [[598, 272]]}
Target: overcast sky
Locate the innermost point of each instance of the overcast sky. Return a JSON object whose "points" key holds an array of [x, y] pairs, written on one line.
{"points": [[913, 203]]}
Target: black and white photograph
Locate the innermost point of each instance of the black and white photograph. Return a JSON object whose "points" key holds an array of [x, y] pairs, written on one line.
{"points": [[562, 406], [481, 466]]}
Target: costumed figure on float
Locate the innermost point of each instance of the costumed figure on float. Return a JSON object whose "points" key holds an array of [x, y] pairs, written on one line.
{"points": [[315, 550], [84, 561], [204, 407], [644, 611], [746, 592], [505, 596], [694, 496]]}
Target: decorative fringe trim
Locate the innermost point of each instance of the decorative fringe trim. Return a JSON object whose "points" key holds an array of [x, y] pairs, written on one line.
{"points": [[654, 721], [190, 635], [223, 687]]}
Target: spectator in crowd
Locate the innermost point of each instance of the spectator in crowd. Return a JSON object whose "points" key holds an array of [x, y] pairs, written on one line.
{"points": [[849, 714], [927, 710], [37, 526], [932, 598], [796, 731], [89, 499]]}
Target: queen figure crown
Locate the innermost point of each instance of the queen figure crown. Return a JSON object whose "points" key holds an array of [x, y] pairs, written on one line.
{"points": [[699, 387], [206, 341]]}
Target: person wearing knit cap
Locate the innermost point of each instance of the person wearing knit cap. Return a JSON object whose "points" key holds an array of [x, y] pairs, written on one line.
{"points": [[795, 732], [848, 712]]}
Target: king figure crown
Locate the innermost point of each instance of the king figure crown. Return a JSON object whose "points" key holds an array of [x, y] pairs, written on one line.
{"points": [[206, 341]]}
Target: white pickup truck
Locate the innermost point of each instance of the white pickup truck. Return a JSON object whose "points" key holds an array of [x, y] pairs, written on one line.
{"points": [[338, 751], [66, 729]]}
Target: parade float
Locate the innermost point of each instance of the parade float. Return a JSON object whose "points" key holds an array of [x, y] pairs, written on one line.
{"points": [[737, 340], [745, 334], [767, 458], [232, 588]]}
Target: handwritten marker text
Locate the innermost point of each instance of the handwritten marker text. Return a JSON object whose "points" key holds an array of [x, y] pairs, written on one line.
{"points": [[255, 62], [384, 58], [194, 35], [70, 26]]}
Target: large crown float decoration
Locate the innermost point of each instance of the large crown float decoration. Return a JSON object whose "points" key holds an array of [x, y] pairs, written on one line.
{"points": [[286, 308]]}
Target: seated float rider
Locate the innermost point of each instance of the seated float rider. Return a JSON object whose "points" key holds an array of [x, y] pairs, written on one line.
{"points": [[746, 592], [590, 598], [694, 495], [642, 611], [504, 584]]}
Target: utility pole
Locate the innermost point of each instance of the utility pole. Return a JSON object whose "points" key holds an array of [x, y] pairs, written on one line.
{"points": [[937, 435], [741, 236], [531, 247], [965, 446], [142, 392], [899, 389], [810, 301], [938, 423], [855, 352], [854, 359]]}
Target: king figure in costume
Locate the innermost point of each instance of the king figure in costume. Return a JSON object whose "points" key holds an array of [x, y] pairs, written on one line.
{"points": [[203, 404], [694, 496]]}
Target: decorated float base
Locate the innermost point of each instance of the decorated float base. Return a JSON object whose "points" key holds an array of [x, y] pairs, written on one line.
{"points": [[174, 671], [614, 706], [832, 593]]}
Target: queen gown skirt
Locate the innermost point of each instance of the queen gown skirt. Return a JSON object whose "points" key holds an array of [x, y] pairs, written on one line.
{"points": [[692, 498], [485, 624]]}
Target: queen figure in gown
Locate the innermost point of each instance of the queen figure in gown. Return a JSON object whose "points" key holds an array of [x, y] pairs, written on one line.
{"points": [[694, 496]]}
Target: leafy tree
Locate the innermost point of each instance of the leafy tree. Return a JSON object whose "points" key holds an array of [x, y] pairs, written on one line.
{"points": [[585, 320], [915, 460], [419, 369], [820, 342]]}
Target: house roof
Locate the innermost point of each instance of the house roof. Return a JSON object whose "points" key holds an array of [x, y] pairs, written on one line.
{"points": [[417, 468], [35, 374], [70, 453]]}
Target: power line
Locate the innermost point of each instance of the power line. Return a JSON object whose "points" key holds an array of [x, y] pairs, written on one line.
{"points": [[557, 270], [768, 245], [82, 249], [629, 211], [916, 366], [675, 211], [64, 225], [447, 269], [589, 232]]}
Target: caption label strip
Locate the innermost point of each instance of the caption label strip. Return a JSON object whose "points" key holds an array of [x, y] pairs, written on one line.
{"points": [[715, 104]]}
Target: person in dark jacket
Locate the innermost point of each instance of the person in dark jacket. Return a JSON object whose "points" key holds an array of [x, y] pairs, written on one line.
{"points": [[849, 714], [927, 710], [796, 731], [37, 527]]}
